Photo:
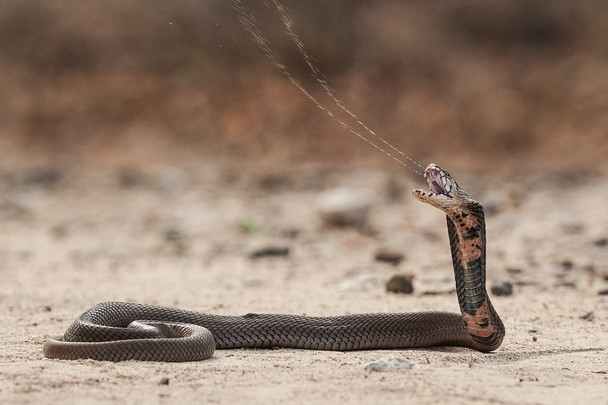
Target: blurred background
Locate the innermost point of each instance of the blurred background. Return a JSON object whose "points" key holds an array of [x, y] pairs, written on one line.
{"points": [[89, 82]]}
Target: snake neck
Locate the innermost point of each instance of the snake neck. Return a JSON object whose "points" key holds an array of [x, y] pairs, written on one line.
{"points": [[467, 234]]}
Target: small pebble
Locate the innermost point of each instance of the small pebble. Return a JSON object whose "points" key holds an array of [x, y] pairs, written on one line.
{"points": [[389, 256], [173, 235], [389, 364], [567, 265], [567, 284], [400, 284], [164, 381], [270, 251], [48, 177], [589, 316], [603, 292], [176, 240], [447, 291], [602, 242], [502, 289], [514, 270]]}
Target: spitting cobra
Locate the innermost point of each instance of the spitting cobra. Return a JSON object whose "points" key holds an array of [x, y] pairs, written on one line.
{"points": [[117, 331]]}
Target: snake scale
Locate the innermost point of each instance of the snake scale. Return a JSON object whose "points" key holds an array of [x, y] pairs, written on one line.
{"points": [[119, 331]]}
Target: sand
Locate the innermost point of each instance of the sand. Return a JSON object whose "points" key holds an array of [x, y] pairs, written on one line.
{"points": [[182, 236]]}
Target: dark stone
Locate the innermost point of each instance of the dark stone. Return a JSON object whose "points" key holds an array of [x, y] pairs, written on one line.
{"points": [[173, 235], [567, 265], [601, 242], [400, 284], [48, 177], [270, 251], [389, 256], [514, 270], [502, 289]]}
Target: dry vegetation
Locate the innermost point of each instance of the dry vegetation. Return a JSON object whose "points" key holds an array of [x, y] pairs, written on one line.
{"points": [[91, 80]]}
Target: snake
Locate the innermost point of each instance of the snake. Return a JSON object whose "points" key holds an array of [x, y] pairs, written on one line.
{"points": [[117, 331]]}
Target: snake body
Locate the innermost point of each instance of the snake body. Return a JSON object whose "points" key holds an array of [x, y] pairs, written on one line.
{"points": [[119, 331]]}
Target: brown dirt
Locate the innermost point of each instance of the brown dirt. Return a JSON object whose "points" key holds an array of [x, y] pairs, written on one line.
{"points": [[181, 236]]}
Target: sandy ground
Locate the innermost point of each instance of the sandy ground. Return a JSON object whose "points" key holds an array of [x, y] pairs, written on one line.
{"points": [[182, 236]]}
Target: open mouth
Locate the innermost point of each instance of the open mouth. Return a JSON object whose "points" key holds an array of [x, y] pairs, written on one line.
{"points": [[433, 177], [437, 188]]}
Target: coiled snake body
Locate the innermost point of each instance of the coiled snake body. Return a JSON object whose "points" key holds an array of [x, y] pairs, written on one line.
{"points": [[118, 331]]}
